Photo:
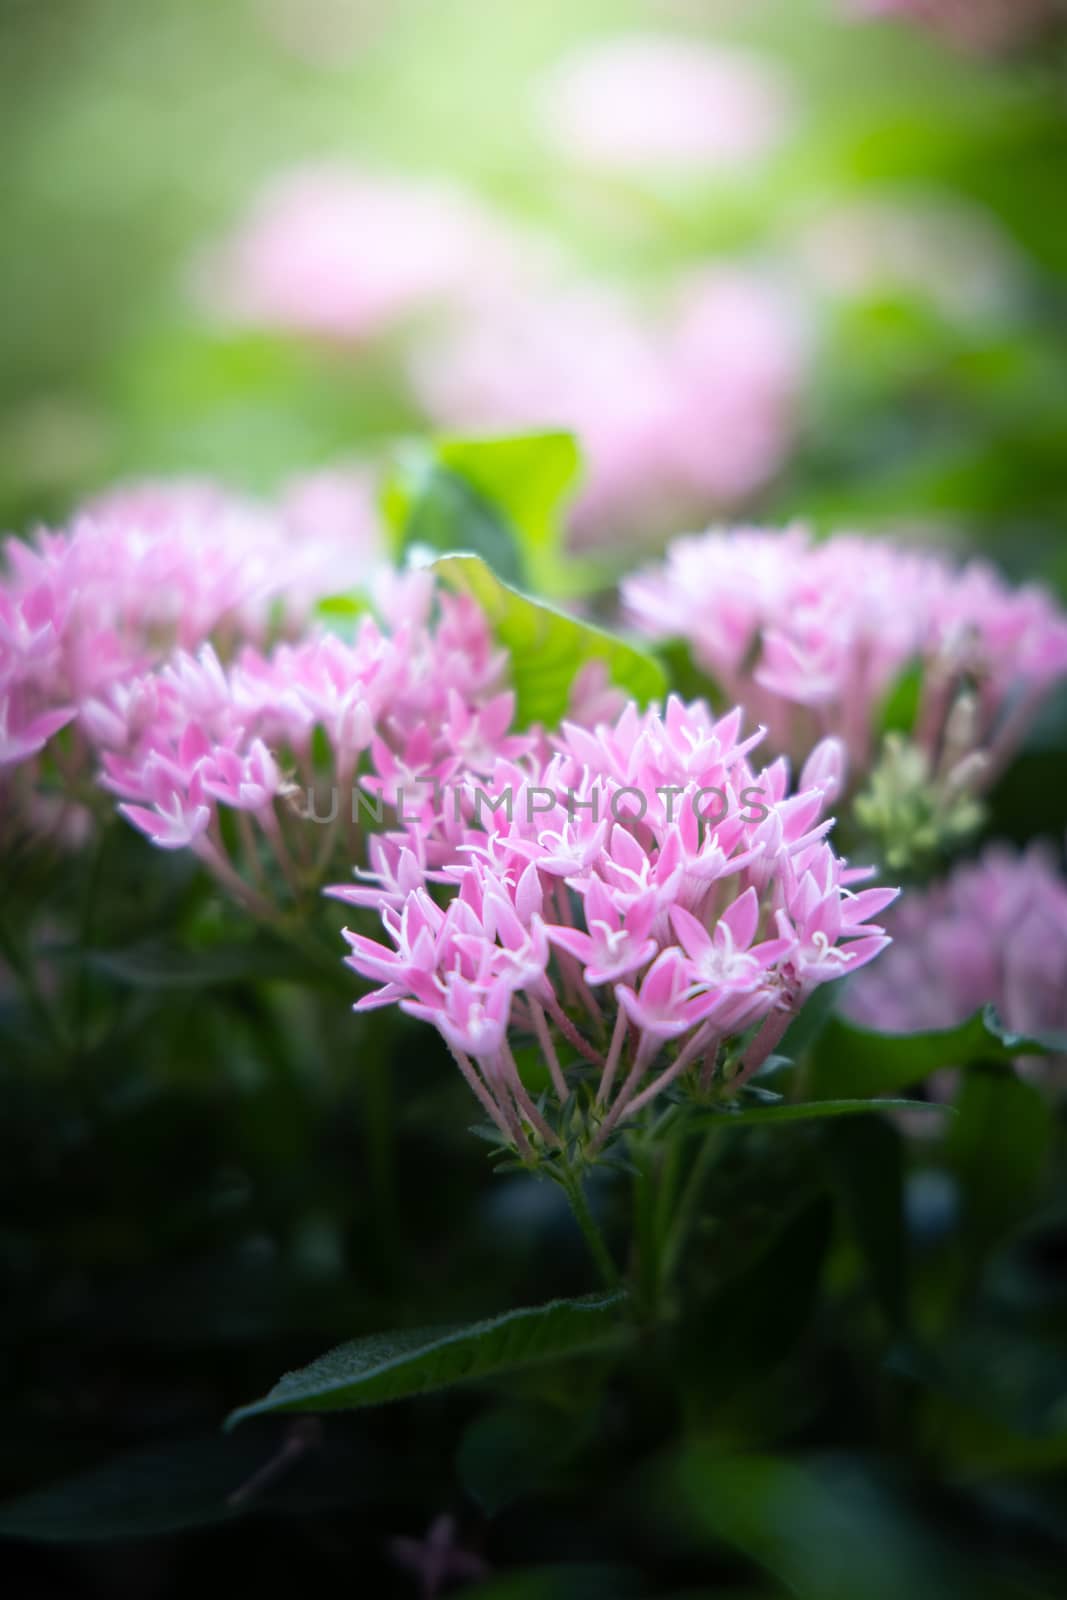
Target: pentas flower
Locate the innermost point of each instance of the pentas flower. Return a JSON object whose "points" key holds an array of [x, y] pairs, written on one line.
{"points": [[985, 26], [268, 767], [648, 104], [813, 638], [688, 405], [637, 901], [993, 932], [141, 572]]}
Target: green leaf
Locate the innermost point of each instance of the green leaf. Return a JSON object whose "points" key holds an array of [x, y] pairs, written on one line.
{"points": [[187, 1484], [503, 498], [510, 1453], [808, 1111], [342, 613], [826, 1530], [429, 506], [528, 477], [548, 647], [394, 1366], [998, 1145], [851, 1059]]}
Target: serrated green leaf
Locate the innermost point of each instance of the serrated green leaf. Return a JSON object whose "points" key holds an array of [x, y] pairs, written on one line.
{"points": [[547, 647], [395, 1366], [851, 1059]]}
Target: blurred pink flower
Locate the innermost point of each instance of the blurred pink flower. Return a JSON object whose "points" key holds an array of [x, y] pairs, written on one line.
{"points": [[148, 569], [334, 540], [333, 252], [689, 408], [811, 637], [994, 932], [610, 912], [648, 103]]}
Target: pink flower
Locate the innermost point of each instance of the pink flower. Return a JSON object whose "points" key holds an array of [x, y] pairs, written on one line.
{"points": [[149, 569], [601, 908], [281, 737], [617, 942], [690, 405], [24, 736], [993, 932], [334, 252], [812, 638], [650, 104]]}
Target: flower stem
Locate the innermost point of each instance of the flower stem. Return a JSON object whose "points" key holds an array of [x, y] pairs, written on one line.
{"points": [[572, 1186], [647, 1263], [686, 1209]]}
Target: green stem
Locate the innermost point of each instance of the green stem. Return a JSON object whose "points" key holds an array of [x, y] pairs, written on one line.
{"points": [[647, 1186], [685, 1211], [598, 1249]]}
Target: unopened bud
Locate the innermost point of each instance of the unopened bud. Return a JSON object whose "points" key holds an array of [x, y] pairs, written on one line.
{"points": [[826, 769]]}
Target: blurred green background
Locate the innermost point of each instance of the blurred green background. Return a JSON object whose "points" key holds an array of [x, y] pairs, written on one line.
{"points": [[131, 135]]}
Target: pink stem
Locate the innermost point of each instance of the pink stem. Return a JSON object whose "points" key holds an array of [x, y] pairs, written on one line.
{"points": [[522, 1098], [548, 1049], [485, 1099], [612, 1063], [571, 1033]]}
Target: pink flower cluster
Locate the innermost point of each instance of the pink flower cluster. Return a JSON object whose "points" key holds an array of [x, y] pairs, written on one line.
{"points": [[812, 637], [985, 26], [686, 408], [154, 568], [337, 253], [259, 769], [632, 928], [994, 931], [649, 103]]}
